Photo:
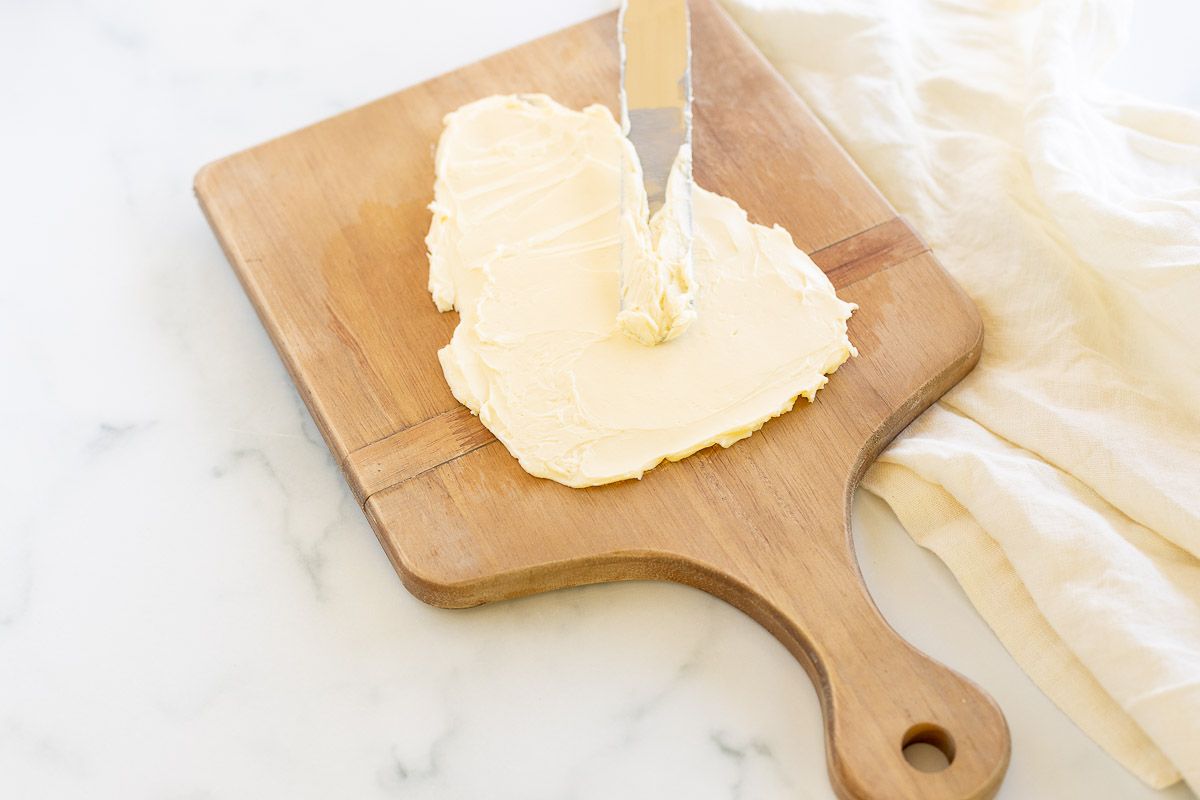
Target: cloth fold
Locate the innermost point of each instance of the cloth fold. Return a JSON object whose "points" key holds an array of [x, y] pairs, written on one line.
{"points": [[1060, 481]]}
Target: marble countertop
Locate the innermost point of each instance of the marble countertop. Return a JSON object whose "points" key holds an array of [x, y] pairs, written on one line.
{"points": [[192, 606]]}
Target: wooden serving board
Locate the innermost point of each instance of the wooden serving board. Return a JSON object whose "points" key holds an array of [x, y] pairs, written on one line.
{"points": [[325, 229]]}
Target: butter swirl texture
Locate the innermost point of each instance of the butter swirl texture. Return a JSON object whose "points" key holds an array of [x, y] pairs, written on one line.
{"points": [[525, 244]]}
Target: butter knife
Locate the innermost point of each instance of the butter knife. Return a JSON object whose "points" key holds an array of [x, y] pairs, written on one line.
{"points": [[656, 88]]}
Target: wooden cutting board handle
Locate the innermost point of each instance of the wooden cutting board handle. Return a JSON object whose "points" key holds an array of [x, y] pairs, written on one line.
{"points": [[878, 693]]}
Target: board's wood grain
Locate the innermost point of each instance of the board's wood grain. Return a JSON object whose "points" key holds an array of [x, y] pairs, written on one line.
{"points": [[407, 453], [853, 259], [325, 229]]}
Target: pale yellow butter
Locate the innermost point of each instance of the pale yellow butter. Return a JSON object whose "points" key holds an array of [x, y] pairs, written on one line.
{"points": [[525, 243]]}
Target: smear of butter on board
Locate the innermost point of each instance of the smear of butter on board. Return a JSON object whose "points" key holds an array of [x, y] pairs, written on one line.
{"points": [[525, 244]]}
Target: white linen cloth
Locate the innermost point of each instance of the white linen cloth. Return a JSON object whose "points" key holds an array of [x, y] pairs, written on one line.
{"points": [[1060, 481]]}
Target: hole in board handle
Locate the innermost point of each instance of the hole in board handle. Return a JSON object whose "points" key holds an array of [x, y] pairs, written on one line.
{"points": [[928, 747]]}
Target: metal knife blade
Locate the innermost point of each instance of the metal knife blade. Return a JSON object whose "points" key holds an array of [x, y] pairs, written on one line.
{"points": [[656, 88]]}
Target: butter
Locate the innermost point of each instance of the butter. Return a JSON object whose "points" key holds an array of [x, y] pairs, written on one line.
{"points": [[525, 243]]}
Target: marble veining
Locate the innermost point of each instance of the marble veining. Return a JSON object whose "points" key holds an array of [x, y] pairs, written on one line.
{"points": [[113, 434], [191, 603]]}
